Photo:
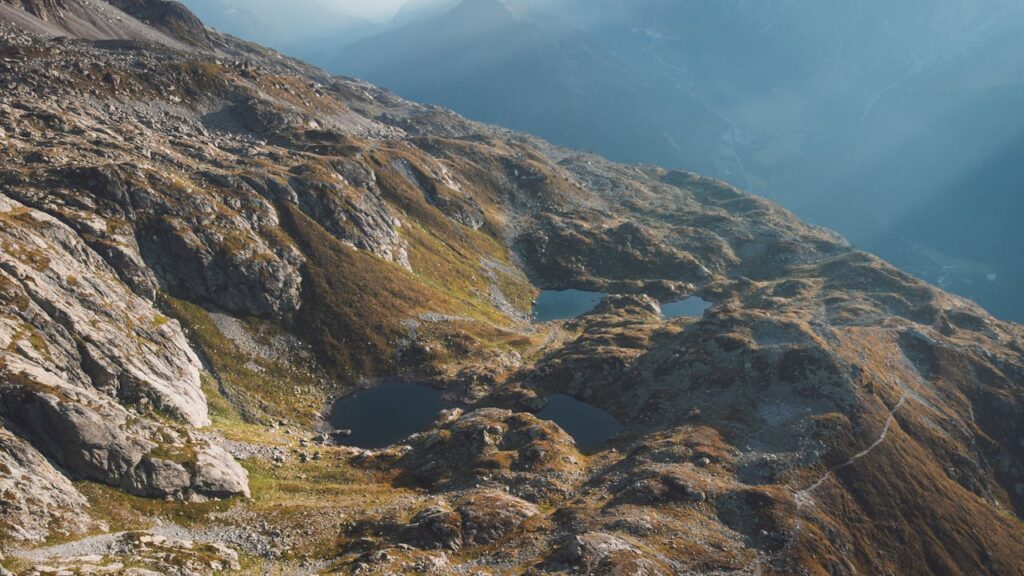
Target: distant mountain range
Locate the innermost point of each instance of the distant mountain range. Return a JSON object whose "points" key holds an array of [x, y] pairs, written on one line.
{"points": [[414, 10], [883, 120], [533, 70], [306, 29]]}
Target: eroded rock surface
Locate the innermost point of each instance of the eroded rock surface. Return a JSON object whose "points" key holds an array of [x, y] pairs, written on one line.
{"points": [[36, 495], [84, 357]]}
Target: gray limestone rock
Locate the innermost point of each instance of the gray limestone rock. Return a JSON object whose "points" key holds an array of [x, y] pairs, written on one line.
{"points": [[37, 497], [218, 475]]}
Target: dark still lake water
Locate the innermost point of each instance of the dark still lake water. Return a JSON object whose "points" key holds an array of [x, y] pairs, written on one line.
{"points": [[564, 304], [588, 424], [692, 307], [387, 413]]}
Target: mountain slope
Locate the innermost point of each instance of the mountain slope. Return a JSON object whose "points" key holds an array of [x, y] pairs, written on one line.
{"points": [[308, 29], [852, 115], [203, 247], [498, 62], [171, 25], [414, 10]]}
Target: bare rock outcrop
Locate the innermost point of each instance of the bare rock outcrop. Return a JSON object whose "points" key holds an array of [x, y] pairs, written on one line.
{"points": [[83, 358], [534, 458], [491, 515], [169, 17], [37, 496], [100, 20], [483, 517], [603, 554], [86, 325]]}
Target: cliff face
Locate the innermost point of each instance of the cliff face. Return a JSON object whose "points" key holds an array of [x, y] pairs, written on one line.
{"points": [[202, 246]]}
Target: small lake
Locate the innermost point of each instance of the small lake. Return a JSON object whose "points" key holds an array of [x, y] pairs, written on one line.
{"points": [[386, 414], [587, 424], [564, 304], [692, 307]]}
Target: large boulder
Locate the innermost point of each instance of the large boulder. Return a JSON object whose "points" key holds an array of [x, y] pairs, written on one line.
{"points": [[218, 475]]}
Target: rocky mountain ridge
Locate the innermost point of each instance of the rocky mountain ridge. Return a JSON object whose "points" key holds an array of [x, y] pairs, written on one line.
{"points": [[204, 243]]}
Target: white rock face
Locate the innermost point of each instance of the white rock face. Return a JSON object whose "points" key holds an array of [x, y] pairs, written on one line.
{"points": [[83, 362], [36, 496], [123, 347], [218, 474]]}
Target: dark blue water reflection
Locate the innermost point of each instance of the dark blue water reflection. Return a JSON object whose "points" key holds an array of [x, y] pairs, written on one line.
{"points": [[564, 304], [692, 307], [588, 424], [386, 414]]}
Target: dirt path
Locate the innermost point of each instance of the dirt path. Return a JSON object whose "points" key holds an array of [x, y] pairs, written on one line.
{"points": [[803, 497], [99, 545], [104, 544]]}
